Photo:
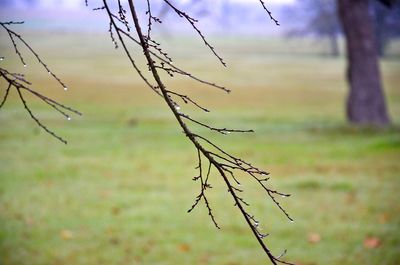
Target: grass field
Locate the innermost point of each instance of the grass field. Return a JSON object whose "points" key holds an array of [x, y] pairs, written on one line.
{"points": [[119, 191]]}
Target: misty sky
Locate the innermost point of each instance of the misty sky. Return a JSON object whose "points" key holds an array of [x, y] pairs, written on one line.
{"points": [[73, 15], [80, 3]]}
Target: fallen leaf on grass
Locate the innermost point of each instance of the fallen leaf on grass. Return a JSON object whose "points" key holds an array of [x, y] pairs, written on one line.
{"points": [[66, 234], [205, 259], [147, 247], [115, 210], [372, 242], [314, 238], [114, 241], [351, 197], [29, 221], [383, 218], [105, 194], [184, 247]]}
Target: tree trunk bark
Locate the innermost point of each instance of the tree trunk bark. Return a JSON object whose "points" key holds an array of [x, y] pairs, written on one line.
{"points": [[365, 103]]}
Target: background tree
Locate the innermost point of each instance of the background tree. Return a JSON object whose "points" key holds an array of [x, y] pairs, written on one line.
{"points": [[366, 102], [367, 28], [316, 18], [386, 24]]}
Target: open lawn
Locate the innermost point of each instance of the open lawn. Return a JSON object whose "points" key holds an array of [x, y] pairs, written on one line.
{"points": [[119, 191]]}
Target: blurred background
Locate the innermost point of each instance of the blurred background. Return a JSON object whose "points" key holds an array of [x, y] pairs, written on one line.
{"points": [[118, 193]]}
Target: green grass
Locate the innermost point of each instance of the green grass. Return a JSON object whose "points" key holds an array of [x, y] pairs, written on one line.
{"points": [[119, 191]]}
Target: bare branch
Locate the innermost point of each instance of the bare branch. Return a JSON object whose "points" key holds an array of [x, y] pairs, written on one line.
{"points": [[5, 96], [230, 163], [12, 34], [269, 13], [193, 22], [19, 82], [178, 70]]}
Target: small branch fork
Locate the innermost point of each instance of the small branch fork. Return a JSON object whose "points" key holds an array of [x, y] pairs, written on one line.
{"points": [[18, 82], [210, 156]]}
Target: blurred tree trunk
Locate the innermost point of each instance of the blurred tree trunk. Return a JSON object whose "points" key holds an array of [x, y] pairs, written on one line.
{"points": [[366, 102]]}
